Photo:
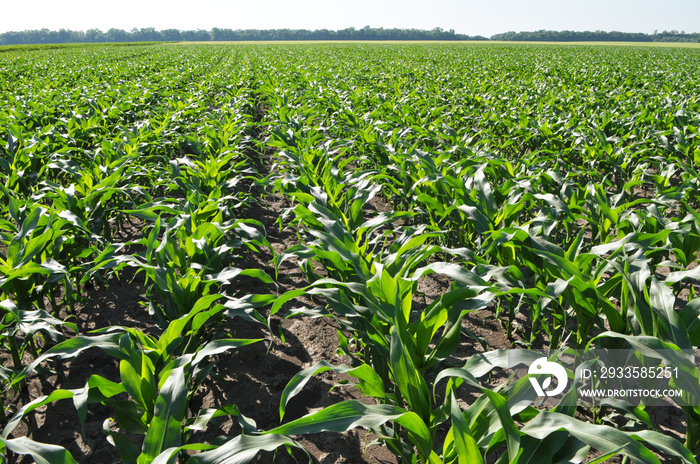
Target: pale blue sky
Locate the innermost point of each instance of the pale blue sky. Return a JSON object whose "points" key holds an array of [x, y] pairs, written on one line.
{"points": [[468, 17]]}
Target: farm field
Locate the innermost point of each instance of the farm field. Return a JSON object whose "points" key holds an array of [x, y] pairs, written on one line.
{"points": [[342, 252]]}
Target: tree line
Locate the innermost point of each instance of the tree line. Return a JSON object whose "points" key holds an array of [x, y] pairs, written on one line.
{"points": [[46, 36], [597, 36]]}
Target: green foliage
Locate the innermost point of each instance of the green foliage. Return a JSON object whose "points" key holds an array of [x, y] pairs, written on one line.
{"points": [[555, 186]]}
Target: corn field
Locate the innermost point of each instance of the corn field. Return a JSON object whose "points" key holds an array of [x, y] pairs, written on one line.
{"points": [[177, 219]]}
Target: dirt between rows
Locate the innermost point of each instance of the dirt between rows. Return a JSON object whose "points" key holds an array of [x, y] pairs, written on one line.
{"points": [[252, 377]]}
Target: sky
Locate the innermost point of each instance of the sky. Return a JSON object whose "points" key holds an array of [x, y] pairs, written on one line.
{"points": [[467, 17]]}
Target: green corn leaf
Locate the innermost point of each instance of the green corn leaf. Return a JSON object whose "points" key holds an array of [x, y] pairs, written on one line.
{"points": [[96, 389], [240, 450], [599, 437], [665, 444], [408, 379], [136, 384], [461, 275], [447, 311], [175, 328], [285, 297], [226, 275], [204, 416], [55, 395], [511, 431], [481, 364], [662, 301], [168, 417], [130, 417], [690, 315], [74, 346], [605, 457], [221, 345], [128, 452], [485, 194], [536, 450], [464, 443], [688, 379], [370, 382], [677, 276], [42, 453], [350, 414], [481, 222]]}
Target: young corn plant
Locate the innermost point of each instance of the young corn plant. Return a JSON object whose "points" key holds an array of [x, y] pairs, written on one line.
{"points": [[481, 431], [186, 263], [565, 283], [160, 375], [398, 350], [29, 271], [676, 353], [25, 331], [99, 193], [215, 178]]}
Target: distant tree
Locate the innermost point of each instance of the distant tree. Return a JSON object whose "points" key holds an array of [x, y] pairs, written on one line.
{"points": [[217, 34], [199, 35], [94, 35], [63, 36], [45, 36], [574, 36], [171, 35], [117, 35]]}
